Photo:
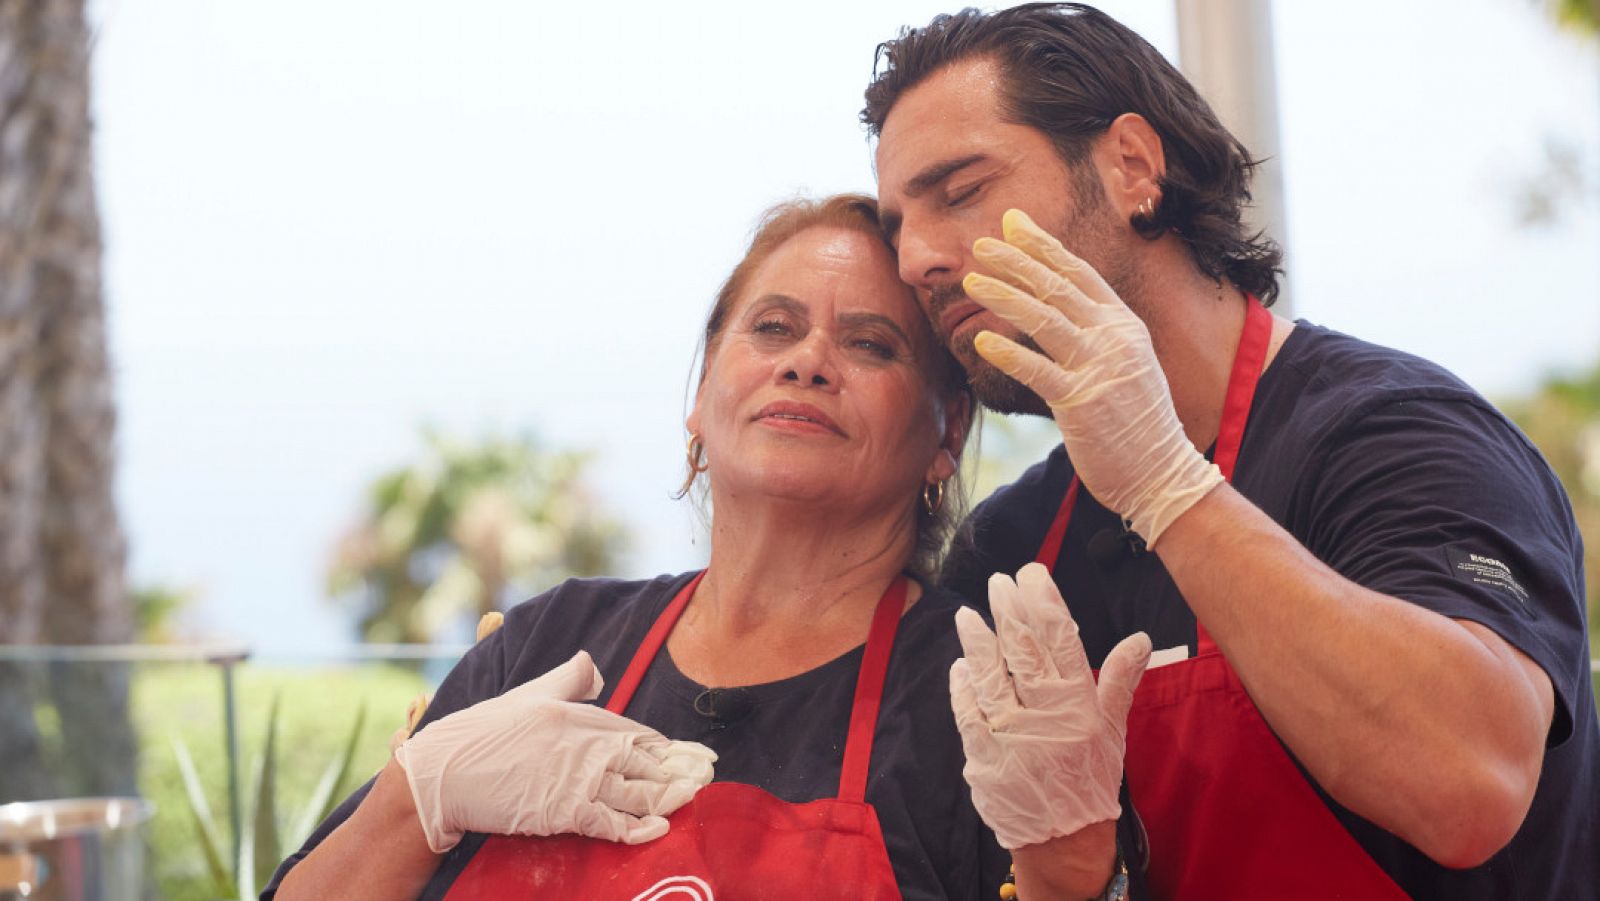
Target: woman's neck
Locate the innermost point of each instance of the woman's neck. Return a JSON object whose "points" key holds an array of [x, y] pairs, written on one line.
{"points": [[786, 591]]}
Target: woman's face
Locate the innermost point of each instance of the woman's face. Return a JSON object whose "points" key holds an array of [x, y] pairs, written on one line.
{"points": [[821, 385]]}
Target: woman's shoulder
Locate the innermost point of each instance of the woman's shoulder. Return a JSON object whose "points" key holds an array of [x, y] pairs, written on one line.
{"points": [[926, 643], [597, 615], [580, 600], [601, 616]]}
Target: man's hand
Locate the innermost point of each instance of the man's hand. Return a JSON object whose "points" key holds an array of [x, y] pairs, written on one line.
{"points": [[535, 761], [1100, 378], [1043, 742]]}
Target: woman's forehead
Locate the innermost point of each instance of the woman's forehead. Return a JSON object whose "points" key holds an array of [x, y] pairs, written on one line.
{"points": [[849, 268]]}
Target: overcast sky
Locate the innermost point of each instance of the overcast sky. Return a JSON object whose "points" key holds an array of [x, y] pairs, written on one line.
{"points": [[330, 222]]}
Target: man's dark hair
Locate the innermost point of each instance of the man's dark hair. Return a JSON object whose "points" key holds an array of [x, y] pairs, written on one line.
{"points": [[1070, 70]]}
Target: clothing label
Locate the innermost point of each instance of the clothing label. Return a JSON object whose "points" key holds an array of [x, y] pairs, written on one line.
{"points": [[1485, 570], [1168, 655]]}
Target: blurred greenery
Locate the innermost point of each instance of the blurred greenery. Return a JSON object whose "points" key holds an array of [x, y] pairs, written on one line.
{"points": [[319, 706], [1562, 417], [156, 611], [469, 527], [1579, 15]]}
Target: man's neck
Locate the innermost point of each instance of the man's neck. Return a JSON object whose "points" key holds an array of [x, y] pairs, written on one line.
{"points": [[1195, 324]]}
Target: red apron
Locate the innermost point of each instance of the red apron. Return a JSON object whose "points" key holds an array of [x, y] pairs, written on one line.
{"points": [[1228, 813], [732, 841]]}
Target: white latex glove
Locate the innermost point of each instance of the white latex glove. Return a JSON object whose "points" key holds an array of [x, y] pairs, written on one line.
{"points": [[1100, 378], [534, 761], [1044, 743]]}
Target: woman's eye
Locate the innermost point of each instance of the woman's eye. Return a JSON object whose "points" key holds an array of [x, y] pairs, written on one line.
{"points": [[880, 349], [772, 327]]}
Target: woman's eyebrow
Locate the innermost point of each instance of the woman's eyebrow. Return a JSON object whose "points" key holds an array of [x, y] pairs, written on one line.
{"points": [[783, 302]]}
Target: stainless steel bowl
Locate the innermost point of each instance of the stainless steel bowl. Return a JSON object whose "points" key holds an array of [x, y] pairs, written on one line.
{"points": [[83, 849]]}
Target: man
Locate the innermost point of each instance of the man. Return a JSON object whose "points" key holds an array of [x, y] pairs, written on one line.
{"points": [[1371, 675]]}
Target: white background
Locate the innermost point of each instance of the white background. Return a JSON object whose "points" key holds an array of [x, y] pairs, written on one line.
{"points": [[331, 222]]}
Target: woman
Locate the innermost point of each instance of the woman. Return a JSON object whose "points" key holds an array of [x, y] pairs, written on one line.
{"points": [[827, 423]]}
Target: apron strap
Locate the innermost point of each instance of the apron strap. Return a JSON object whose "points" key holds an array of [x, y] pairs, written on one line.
{"points": [[1050, 548], [869, 693], [1248, 361], [653, 640], [869, 679]]}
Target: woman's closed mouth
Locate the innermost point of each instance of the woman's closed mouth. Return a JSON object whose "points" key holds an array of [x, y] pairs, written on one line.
{"points": [[795, 416]]}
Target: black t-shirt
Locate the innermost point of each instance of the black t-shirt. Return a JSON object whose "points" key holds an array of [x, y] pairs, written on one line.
{"points": [[1404, 480], [786, 737]]}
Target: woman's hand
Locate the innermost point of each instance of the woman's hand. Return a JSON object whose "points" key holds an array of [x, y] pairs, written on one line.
{"points": [[1098, 373], [1043, 741], [536, 761]]}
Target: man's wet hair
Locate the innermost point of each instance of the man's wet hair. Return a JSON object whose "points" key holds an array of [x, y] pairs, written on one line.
{"points": [[1070, 70]]}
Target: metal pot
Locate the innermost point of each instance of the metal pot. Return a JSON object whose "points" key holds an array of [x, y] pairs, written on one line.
{"points": [[84, 849]]}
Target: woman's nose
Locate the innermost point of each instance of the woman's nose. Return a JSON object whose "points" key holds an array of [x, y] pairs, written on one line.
{"points": [[810, 363]]}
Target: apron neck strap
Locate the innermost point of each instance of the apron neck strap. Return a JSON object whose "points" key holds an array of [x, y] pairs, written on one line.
{"points": [[653, 640], [869, 692], [1248, 361], [869, 679]]}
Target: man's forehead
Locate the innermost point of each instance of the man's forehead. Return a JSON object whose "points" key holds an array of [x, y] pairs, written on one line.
{"points": [[941, 119]]}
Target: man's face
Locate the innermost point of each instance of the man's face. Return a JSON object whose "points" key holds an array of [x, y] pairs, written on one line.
{"points": [[948, 167]]}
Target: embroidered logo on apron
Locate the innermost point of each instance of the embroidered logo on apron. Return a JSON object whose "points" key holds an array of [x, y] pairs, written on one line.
{"points": [[687, 888]]}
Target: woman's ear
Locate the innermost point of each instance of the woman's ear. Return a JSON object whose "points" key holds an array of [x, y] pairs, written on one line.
{"points": [[692, 424], [953, 440]]}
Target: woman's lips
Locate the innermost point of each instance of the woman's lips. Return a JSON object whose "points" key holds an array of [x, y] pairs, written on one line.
{"points": [[792, 415]]}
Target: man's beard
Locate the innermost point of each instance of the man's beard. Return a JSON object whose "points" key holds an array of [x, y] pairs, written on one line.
{"points": [[1089, 233], [996, 390]]}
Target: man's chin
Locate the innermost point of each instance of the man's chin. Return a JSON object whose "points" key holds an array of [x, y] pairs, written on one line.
{"points": [[1000, 392]]}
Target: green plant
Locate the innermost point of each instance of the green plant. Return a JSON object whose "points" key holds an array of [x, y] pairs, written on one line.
{"points": [[260, 845], [462, 530]]}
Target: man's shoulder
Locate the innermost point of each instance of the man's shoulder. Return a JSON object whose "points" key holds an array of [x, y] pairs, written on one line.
{"points": [[1327, 388], [1338, 367]]}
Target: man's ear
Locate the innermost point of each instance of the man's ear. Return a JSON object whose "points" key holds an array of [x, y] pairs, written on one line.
{"points": [[1132, 162]]}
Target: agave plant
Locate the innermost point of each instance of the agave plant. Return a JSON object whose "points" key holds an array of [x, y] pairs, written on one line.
{"points": [[261, 840]]}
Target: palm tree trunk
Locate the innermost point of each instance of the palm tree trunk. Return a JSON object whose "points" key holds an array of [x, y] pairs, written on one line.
{"points": [[61, 547]]}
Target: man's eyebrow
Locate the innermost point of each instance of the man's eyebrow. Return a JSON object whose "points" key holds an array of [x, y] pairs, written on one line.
{"points": [[920, 184]]}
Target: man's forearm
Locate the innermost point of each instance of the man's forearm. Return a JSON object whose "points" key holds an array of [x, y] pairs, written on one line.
{"points": [[1431, 728], [379, 853]]}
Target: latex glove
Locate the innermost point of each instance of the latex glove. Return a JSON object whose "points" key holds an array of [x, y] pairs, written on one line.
{"points": [[1043, 742], [534, 761], [1100, 378]]}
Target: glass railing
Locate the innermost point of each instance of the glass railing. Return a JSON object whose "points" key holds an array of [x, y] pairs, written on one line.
{"points": [[188, 728]]}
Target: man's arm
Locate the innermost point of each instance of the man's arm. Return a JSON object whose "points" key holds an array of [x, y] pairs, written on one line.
{"points": [[1430, 727]]}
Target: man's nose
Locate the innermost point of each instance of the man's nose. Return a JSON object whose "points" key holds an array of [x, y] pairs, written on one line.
{"points": [[928, 260]]}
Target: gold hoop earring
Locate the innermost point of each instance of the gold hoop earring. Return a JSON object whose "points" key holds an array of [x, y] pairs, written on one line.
{"points": [[696, 450], [933, 497]]}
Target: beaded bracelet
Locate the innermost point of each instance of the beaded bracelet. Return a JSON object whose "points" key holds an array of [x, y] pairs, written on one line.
{"points": [[1116, 889]]}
